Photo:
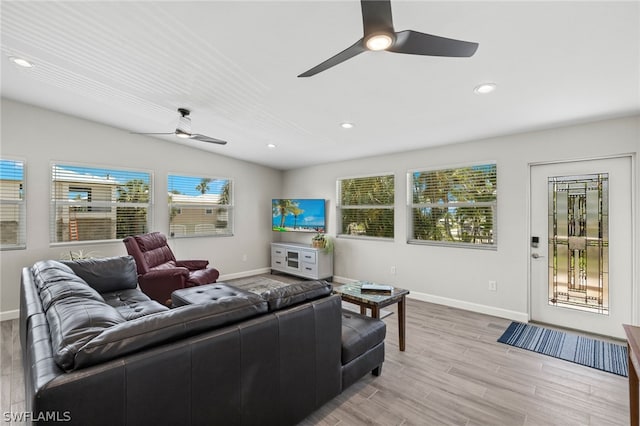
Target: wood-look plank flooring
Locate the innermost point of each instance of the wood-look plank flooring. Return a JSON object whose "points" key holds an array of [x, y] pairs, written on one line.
{"points": [[453, 372]]}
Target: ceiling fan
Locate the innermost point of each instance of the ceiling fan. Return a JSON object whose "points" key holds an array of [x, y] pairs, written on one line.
{"points": [[184, 130], [379, 34]]}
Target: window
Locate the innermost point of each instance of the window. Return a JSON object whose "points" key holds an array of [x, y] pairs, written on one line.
{"points": [[454, 206], [200, 206], [96, 204], [366, 206], [12, 205]]}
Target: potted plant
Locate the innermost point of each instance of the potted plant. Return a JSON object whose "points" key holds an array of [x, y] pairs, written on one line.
{"points": [[318, 241], [322, 241], [80, 254]]}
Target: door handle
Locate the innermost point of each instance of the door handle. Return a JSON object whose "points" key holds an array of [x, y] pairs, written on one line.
{"points": [[536, 255]]}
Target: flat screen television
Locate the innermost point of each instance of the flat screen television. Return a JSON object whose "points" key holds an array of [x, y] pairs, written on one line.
{"points": [[298, 215]]}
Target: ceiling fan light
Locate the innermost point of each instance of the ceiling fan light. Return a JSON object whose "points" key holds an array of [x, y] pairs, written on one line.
{"points": [[379, 42]]}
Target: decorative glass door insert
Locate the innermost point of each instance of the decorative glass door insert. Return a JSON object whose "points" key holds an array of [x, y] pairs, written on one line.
{"points": [[579, 242]]}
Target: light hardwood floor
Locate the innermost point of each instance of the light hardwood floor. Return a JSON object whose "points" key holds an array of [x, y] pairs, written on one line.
{"points": [[452, 373]]}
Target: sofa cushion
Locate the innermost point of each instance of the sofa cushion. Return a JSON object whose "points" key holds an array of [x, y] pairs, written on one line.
{"points": [[73, 322], [106, 274], [49, 271], [124, 297], [295, 293], [132, 304], [139, 309], [152, 330], [56, 291], [359, 334]]}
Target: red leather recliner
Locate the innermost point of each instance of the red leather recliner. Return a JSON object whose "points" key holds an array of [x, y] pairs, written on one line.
{"points": [[159, 273]]}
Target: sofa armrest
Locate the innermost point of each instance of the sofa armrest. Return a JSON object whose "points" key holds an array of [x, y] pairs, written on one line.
{"points": [[192, 265]]}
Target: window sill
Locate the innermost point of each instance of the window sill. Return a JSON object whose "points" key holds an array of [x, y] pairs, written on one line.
{"points": [[492, 247]]}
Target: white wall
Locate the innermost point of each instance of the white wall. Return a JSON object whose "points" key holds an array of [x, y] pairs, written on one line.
{"points": [[41, 136], [456, 276], [432, 273]]}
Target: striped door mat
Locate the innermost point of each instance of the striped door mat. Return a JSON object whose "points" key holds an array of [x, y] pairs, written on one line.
{"points": [[605, 356]]}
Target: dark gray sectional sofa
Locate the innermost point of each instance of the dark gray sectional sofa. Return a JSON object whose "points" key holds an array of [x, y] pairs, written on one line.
{"points": [[96, 350]]}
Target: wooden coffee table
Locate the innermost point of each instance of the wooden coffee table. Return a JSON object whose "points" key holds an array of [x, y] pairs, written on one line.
{"points": [[352, 293]]}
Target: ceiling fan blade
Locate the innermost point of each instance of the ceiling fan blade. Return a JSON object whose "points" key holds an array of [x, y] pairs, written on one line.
{"points": [[142, 133], [203, 138], [376, 16], [348, 53], [415, 43]]}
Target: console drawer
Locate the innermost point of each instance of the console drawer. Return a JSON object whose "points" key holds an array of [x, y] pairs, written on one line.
{"points": [[309, 257], [309, 268]]}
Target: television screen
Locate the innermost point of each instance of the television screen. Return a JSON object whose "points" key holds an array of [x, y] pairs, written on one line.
{"points": [[298, 215]]}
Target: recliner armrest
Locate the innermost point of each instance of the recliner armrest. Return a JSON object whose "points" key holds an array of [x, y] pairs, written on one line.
{"points": [[193, 265], [155, 274]]}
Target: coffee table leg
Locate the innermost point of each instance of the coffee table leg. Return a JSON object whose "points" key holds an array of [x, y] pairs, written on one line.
{"points": [[363, 310], [375, 312], [401, 322]]}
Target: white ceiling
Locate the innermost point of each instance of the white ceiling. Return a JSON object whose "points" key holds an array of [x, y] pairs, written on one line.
{"points": [[132, 64]]}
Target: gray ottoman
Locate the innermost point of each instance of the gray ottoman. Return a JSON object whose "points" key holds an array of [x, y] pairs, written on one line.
{"points": [[362, 346]]}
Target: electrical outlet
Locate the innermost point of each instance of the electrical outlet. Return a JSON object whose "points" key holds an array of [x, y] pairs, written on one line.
{"points": [[393, 270], [244, 257], [493, 286]]}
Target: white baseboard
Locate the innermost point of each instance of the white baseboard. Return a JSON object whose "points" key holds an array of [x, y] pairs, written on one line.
{"points": [[470, 306], [460, 304], [10, 315], [244, 274], [342, 280]]}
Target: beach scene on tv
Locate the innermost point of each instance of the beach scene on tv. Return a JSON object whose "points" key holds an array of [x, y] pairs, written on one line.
{"points": [[298, 215]]}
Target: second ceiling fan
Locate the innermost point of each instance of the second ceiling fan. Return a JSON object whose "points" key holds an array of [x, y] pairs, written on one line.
{"points": [[379, 34]]}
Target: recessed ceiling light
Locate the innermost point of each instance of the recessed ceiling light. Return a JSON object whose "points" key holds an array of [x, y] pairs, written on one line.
{"points": [[21, 62], [485, 88], [346, 125], [271, 145]]}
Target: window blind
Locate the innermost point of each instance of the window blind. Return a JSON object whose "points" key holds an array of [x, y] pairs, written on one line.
{"points": [[200, 206], [93, 204], [12, 205], [366, 206], [454, 206]]}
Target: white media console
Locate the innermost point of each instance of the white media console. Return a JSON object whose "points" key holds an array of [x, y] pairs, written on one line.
{"points": [[301, 260]]}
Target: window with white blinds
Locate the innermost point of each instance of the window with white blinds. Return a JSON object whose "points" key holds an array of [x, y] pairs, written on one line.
{"points": [[96, 204], [200, 206], [366, 206], [12, 205], [455, 206]]}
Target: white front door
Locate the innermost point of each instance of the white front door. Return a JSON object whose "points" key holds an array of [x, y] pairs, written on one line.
{"points": [[581, 272]]}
